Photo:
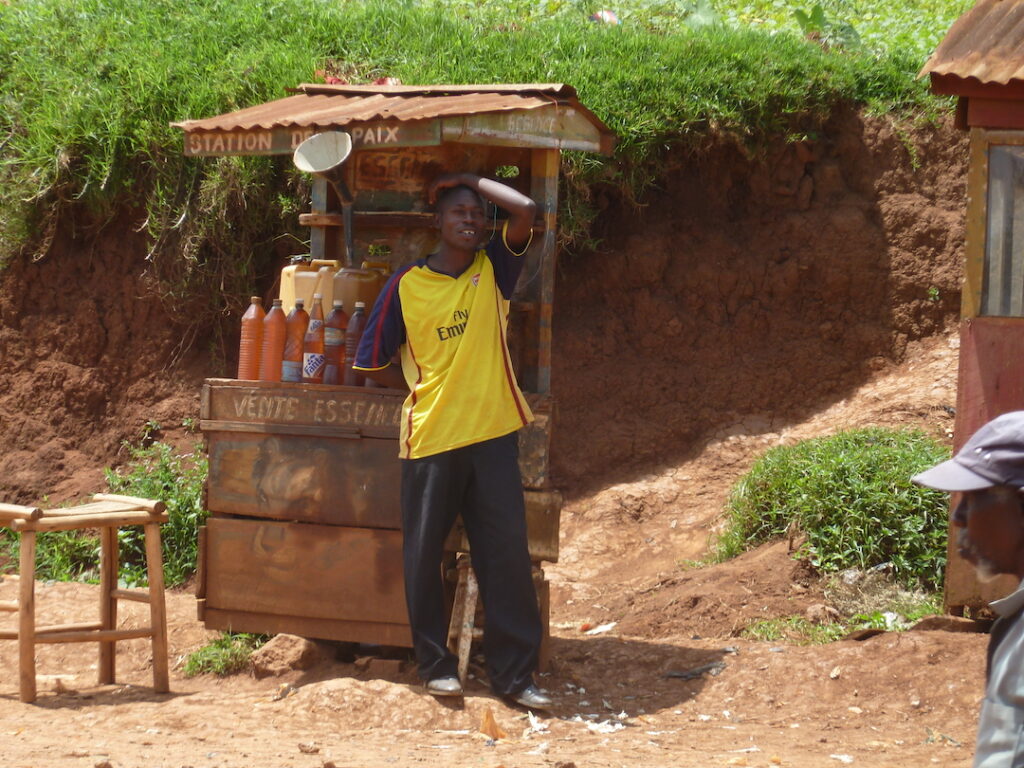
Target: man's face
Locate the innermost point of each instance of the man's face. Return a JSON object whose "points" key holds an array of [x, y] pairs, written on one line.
{"points": [[461, 219], [991, 534]]}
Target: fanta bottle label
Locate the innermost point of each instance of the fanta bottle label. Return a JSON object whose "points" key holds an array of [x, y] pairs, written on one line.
{"points": [[312, 363]]}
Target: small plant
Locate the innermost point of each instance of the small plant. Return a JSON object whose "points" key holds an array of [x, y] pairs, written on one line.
{"points": [[933, 294], [887, 615], [60, 555], [850, 495], [150, 431], [830, 34], [226, 655], [156, 472]]}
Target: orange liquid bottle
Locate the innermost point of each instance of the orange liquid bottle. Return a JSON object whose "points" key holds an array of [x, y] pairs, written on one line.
{"points": [[294, 335], [313, 359], [273, 343], [249, 346], [353, 334], [334, 343]]}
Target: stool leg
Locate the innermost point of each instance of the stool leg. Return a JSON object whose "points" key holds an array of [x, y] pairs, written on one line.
{"points": [[455, 623], [157, 609], [27, 618], [468, 622], [543, 588], [109, 562]]}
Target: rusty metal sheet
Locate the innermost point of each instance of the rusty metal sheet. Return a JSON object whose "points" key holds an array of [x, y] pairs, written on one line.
{"points": [[391, 116], [985, 45]]}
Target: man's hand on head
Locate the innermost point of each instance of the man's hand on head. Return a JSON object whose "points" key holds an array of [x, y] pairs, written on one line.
{"points": [[441, 183]]}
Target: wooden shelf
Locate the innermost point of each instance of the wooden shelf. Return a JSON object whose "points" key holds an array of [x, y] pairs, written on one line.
{"points": [[386, 219]]}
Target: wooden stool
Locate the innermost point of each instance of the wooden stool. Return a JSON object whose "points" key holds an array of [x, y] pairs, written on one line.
{"points": [[108, 513]]}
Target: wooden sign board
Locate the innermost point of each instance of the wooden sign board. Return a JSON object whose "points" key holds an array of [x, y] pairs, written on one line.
{"points": [[284, 140]]}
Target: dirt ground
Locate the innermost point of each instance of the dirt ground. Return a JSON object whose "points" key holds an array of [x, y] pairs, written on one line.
{"points": [[895, 699], [746, 303]]}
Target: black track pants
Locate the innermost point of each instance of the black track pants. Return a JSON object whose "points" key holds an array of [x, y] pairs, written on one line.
{"points": [[481, 482]]}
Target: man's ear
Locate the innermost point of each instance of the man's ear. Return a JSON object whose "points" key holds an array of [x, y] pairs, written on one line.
{"points": [[436, 221]]}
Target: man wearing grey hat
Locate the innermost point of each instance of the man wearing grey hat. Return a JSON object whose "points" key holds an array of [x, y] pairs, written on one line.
{"points": [[988, 472]]}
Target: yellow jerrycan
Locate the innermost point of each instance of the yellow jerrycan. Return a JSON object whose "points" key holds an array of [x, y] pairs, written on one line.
{"points": [[352, 284], [303, 278]]}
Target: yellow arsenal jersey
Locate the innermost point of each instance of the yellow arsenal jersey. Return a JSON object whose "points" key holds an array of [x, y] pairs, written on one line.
{"points": [[450, 331]]}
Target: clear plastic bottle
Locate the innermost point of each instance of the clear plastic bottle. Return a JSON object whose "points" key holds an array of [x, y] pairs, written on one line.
{"points": [[251, 341], [334, 342], [353, 334], [313, 359], [295, 334], [272, 347]]}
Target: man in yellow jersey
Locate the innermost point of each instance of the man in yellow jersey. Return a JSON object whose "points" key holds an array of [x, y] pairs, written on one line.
{"points": [[446, 315]]}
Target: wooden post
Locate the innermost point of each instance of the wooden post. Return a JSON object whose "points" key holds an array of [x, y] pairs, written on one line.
{"points": [[109, 558], [157, 610], [27, 618], [544, 191]]}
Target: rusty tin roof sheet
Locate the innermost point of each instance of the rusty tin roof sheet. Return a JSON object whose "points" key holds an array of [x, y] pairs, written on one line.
{"points": [[337, 105], [986, 44]]}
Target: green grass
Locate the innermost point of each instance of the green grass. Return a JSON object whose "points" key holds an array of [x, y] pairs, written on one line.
{"points": [[794, 629], [896, 613], [157, 472], [850, 495], [153, 471], [89, 87], [226, 655]]}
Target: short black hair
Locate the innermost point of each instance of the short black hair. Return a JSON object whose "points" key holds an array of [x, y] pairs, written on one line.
{"points": [[449, 191]]}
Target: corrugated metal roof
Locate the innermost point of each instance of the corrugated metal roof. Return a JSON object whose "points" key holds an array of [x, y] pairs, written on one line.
{"points": [[986, 43], [337, 105]]}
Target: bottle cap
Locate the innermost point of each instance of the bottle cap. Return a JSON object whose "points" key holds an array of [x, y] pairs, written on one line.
{"points": [[360, 304], [255, 300], [299, 302], [317, 296], [337, 303], [278, 302]]}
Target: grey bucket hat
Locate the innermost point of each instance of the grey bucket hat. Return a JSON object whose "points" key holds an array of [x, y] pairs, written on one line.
{"points": [[993, 456]]}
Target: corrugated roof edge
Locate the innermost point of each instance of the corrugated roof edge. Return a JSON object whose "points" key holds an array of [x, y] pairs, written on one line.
{"points": [[555, 89], [983, 45]]}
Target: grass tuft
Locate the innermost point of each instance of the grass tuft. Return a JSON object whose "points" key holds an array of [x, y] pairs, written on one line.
{"points": [[850, 495], [226, 655]]}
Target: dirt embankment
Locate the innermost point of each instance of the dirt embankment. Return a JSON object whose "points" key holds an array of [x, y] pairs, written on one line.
{"points": [[755, 290]]}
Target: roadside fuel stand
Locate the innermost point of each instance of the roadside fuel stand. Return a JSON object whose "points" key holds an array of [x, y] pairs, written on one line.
{"points": [[303, 489], [981, 61]]}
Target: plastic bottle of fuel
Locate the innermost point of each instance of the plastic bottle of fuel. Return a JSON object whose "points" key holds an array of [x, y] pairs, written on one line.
{"points": [[295, 334], [353, 334], [251, 341], [273, 343], [334, 342], [313, 345]]}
